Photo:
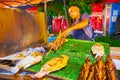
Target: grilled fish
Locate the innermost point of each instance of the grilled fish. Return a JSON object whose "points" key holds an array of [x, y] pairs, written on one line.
{"points": [[91, 72], [85, 70], [100, 69], [20, 55], [27, 61], [55, 45], [53, 65]]}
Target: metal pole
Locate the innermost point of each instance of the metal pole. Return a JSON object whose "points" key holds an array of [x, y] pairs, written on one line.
{"points": [[65, 11]]}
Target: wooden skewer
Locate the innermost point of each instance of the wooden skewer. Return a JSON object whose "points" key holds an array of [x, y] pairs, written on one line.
{"points": [[49, 51], [116, 57]]}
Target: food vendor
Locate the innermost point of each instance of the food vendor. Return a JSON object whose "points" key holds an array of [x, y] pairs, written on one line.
{"points": [[81, 27]]}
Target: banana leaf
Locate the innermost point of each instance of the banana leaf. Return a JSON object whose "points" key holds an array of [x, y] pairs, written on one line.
{"points": [[78, 51]]}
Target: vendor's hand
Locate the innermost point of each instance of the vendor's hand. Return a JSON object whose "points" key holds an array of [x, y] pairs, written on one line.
{"points": [[59, 40], [65, 33]]}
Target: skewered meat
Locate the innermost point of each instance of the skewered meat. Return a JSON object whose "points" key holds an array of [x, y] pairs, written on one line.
{"points": [[97, 50], [27, 61], [53, 65], [100, 72], [91, 72], [85, 70], [58, 42], [111, 69]]}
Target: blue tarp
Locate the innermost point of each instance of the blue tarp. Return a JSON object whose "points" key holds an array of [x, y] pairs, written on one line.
{"points": [[115, 12]]}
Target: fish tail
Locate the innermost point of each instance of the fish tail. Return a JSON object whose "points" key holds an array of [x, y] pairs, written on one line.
{"points": [[40, 74], [14, 70], [27, 66]]}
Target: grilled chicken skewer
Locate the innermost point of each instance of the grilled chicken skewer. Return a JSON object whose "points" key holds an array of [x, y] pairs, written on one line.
{"points": [[100, 69], [85, 70], [111, 69]]}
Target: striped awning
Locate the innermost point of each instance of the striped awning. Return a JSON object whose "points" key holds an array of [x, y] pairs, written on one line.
{"points": [[112, 1], [15, 3]]}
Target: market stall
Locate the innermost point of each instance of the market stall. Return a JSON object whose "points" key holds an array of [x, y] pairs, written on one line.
{"points": [[31, 57], [77, 52]]}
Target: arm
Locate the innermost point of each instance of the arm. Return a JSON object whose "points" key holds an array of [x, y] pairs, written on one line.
{"points": [[80, 25], [62, 36]]}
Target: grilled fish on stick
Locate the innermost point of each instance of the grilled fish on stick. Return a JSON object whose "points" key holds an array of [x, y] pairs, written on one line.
{"points": [[53, 65], [85, 70], [111, 69], [100, 69], [91, 72], [57, 43], [27, 61]]}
